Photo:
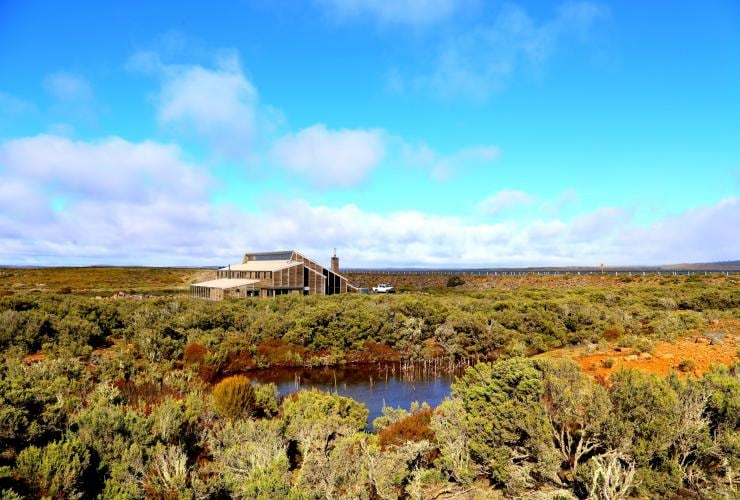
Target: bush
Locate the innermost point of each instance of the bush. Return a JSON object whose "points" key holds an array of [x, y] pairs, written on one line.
{"points": [[502, 409], [266, 399], [194, 354], [168, 473], [414, 427], [57, 470], [454, 281], [308, 412], [448, 424], [523, 423], [233, 397], [687, 365], [640, 344], [250, 456], [645, 415], [607, 362]]}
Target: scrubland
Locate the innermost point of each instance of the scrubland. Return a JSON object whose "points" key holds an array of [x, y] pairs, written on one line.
{"points": [[118, 398]]}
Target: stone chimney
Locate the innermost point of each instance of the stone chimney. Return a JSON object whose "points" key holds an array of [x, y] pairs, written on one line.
{"points": [[335, 262]]}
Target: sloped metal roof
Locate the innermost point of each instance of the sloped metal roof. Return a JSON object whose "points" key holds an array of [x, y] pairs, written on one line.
{"points": [[224, 283], [262, 265]]}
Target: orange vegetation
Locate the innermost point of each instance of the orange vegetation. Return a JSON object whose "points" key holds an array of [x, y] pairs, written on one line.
{"points": [[693, 354], [194, 354], [414, 427], [373, 352]]}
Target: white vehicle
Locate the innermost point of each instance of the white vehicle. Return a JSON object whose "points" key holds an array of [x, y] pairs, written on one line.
{"points": [[384, 288]]}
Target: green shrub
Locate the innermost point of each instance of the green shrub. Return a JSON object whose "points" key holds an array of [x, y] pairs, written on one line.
{"points": [[502, 409], [639, 343], [266, 399], [314, 410], [687, 365], [521, 423], [645, 415], [250, 457], [234, 398], [109, 427], [577, 409], [57, 470], [608, 362], [659, 481]]}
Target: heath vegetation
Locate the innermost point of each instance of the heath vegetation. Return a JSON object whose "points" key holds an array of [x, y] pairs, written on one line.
{"points": [[149, 398]]}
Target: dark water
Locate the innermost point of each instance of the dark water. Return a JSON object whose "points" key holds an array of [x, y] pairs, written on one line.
{"points": [[374, 385]]}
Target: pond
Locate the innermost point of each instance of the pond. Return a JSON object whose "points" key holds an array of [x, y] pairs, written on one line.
{"points": [[375, 385]]}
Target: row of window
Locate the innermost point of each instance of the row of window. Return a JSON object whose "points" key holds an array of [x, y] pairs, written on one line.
{"points": [[246, 275]]}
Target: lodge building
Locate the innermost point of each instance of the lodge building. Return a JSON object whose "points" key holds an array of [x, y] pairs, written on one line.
{"points": [[269, 274]]}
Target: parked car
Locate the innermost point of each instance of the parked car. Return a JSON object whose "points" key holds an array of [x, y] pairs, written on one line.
{"points": [[384, 288]]}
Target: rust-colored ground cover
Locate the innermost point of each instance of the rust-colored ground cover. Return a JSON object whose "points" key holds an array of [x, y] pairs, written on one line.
{"points": [[718, 344]]}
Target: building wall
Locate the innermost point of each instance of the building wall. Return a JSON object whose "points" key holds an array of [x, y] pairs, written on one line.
{"points": [[291, 280], [316, 282], [248, 275], [209, 293]]}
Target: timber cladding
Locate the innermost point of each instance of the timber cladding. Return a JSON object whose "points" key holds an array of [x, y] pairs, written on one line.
{"points": [[269, 274]]}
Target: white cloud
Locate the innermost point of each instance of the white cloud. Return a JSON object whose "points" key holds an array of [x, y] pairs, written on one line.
{"points": [[110, 169], [123, 201], [218, 104], [597, 224], [566, 198], [20, 204], [701, 234], [481, 61], [222, 106], [11, 105], [68, 87], [331, 158], [420, 239], [408, 12], [142, 203], [443, 167], [73, 96], [496, 203]]}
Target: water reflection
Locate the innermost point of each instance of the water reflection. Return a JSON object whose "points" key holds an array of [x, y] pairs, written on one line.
{"points": [[376, 385]]}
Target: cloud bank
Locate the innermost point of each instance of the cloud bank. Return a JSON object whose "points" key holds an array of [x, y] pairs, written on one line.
{"points": [[143, 203], [336, 158]]}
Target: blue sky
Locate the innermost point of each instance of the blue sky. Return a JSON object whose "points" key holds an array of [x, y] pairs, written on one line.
{"points": [[415, 132]]}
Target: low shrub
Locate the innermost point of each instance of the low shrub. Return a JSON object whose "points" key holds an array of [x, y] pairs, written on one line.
{"points": [[415, 427], [687, 365], [234, 397], [57, 470], [266, 399], [640, 344], [454, 281], [194, 354], [612, 333]]}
